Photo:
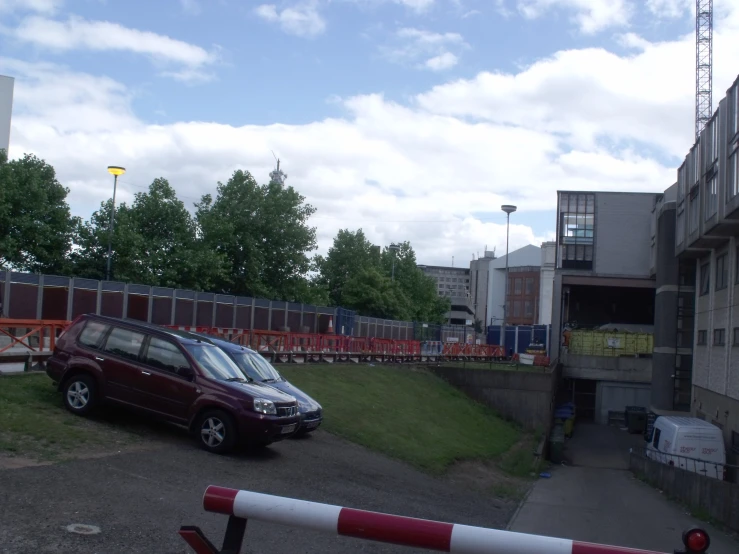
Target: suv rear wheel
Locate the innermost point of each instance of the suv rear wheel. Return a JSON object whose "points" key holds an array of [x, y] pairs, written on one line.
{"points": [[216, 432], [80, 394]]}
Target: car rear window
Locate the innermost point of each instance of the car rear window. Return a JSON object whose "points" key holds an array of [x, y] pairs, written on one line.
{"points": [[164, 355], [93, 333], [124, 343]]}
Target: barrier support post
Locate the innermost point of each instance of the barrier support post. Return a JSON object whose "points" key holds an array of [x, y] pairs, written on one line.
{"points": [[232, 542]]}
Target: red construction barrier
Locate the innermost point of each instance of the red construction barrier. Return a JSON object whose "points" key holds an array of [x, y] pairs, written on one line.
{"points": [[39, 331], [304, 342], [407, 347], [331, 343], [269, 341], [242, 505], [381, 346], [356, 345]]}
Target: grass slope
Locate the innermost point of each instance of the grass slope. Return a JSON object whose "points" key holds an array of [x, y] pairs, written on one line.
{"points": [[405, 413], [34, 423]]}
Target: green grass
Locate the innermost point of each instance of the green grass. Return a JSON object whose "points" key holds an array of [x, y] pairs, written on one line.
{"points": [[405, 413], [35, 425]]}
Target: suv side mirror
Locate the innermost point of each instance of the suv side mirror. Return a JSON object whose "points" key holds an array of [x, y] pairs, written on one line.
{"points": [[185, 372]]}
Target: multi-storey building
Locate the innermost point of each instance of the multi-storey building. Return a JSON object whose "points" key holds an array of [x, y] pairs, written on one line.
{"points": [[603, 281], [454, 283], [706, 270], [6, 109]]}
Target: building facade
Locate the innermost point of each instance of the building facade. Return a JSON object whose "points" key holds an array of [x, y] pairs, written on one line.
{"points": [[522, 302], [604, 295], [6, 109], [546, 281], [525, 260], [706, 246], [453, 283], [480, 285]]}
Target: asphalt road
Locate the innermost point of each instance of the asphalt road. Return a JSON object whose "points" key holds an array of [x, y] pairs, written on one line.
{"points": [[140, 499], [598, 500]]}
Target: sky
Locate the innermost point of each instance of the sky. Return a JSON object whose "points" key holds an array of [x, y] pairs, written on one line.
{"points": [[411, 119]]}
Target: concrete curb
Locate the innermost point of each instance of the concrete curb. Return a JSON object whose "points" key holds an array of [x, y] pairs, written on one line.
{"points": [[520, 507]]}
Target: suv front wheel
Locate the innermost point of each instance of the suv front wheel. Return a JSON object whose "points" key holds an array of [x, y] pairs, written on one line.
{"points": [[80, 394], [216, 432]]}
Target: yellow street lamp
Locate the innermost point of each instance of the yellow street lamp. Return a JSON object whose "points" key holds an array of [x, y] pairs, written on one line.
{"points": [[115, 171]]}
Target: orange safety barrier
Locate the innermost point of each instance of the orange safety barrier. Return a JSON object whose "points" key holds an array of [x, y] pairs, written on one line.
{"points": [[407, 347], [35, 330], [269, 341], [331, 343], [356, 345], [381, 346], [304, 342]]}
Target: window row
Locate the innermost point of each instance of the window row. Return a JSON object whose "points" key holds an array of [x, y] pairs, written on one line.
{"points": [[516, 286], [520, 308], [721, 275], [719, 337]]}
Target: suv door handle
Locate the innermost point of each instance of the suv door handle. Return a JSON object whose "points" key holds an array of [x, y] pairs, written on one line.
{"points": [[145, 373], [99, 359]]}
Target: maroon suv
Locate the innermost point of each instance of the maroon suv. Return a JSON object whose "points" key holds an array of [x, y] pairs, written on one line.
{"points": [[186, 381]]}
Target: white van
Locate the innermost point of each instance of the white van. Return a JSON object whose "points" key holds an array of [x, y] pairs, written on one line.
{"points": [[688, 443]]}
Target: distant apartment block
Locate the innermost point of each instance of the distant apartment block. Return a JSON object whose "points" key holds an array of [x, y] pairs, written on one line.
{"points": [[453, 283], [6, 109]]}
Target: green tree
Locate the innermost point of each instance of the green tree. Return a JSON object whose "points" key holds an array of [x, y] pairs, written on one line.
{"points": [[372, 293], [155, 242], [262, 232], [350, 254], [36, 228]]}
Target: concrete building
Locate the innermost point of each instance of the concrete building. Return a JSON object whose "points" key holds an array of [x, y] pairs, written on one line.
{"points": [[603, 279], [480, 285], [546, 281], [454, 283], [6, 109], [523, 265], [701, 344]]}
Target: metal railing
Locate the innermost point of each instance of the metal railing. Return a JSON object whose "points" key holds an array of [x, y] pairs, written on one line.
{"points": [[242, 505], [688, 463]]}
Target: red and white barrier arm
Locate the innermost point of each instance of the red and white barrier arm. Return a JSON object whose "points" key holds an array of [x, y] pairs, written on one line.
{"points": [[406, 531]]}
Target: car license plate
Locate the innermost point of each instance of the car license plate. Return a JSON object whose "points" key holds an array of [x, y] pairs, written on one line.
{"points": [[288, 429], [311, 424]]}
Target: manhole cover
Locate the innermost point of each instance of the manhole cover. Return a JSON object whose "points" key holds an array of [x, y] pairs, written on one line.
{"points": [[82, 529]]}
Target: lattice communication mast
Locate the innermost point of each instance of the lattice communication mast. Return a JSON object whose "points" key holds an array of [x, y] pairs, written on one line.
{"points": [[703, 63]]}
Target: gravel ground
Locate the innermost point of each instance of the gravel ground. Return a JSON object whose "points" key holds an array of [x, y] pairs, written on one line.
{"points": [[140, 499]]}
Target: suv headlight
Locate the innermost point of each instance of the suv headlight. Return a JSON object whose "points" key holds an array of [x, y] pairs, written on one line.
{"points": [[264, 406]]}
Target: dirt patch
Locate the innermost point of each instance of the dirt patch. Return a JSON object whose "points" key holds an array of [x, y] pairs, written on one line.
{"points": [[487, 476]]}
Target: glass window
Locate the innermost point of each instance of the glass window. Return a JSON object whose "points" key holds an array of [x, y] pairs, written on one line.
{"points": [[680, 228], [702, 337], [516, 308], [528, 309], [712, 196], [215, 362], [93, 333], [517, 286], [719, 337], [722, 272], [733, 187], [256, 367], [735, 118], [576, 233], [714, 141], [735, 341], [164, 355], [705, 280], [529, 285], [124, 343], [694, 203]]}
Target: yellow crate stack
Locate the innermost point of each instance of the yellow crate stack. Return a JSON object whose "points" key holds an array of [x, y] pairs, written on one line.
{"points": [[608, 343]]}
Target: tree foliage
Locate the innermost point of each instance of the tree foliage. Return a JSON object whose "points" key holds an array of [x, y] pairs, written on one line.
{"points": [[360, 276], [155, 242], [36, 227], [263, 234], [249, 239]]}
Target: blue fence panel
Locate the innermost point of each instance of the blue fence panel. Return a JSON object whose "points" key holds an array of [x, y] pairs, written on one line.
{"points": [[344, 322]]}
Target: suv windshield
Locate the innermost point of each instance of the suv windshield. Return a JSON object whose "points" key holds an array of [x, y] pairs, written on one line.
{"points": [[256, 367], [214, 362]]}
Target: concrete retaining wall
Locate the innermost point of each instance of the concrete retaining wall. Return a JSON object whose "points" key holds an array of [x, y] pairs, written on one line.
{"points": [[521, 396], [719, 499]]}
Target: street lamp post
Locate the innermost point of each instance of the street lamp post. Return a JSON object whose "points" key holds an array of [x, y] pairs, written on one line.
{"points": [[508, 209], [115, 171], [393, 248]]}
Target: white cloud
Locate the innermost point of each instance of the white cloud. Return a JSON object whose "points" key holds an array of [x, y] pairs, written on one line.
{"points": [[670, 9], [80, 34], [302, 20], [441, 62], [591, 16], [416, 5], [424, 49], [41, 6], [434, 171]]}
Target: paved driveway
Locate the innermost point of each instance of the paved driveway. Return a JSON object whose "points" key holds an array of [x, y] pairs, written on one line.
{"points": [[140, 499], [597, 500]]}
